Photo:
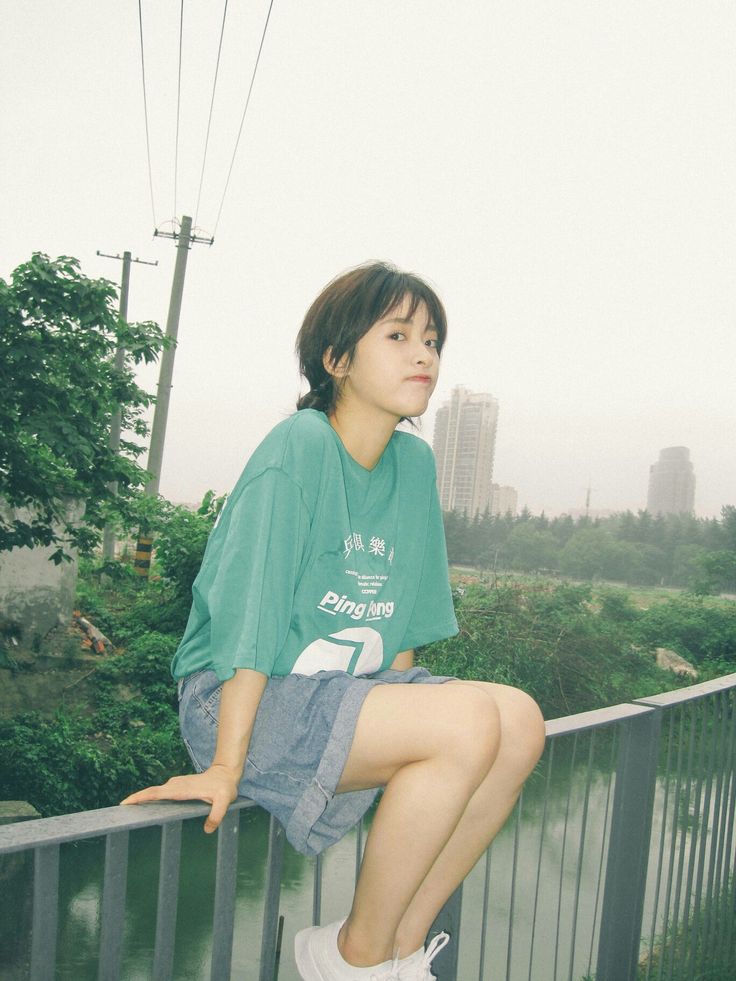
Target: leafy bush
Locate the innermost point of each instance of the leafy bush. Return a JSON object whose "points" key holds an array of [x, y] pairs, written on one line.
{"points": [[144, 670], [550, 641], [697, 631], [67, 764], [131, 738], [181, 542], [617, 607], [125, 606]]}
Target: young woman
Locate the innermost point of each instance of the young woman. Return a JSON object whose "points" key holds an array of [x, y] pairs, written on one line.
{"points": [[296, 679]]}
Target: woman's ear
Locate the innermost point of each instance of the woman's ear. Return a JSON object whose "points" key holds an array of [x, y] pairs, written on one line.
{"points": [[338, 370]]}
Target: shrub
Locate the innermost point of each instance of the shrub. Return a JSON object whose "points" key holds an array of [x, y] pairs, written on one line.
{"points": [[65, 764], [181, 542], [695, 629], [550, 641]]}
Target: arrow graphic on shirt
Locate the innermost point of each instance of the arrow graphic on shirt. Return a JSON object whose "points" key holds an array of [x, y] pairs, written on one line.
{"points": [[355, 650]]}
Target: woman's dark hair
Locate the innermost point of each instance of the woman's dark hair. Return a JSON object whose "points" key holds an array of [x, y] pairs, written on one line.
{"points": [[344, 311]]}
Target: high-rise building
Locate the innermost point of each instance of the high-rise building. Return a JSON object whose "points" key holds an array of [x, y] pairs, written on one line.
{"points": [[671, 482], [504, 499], [464, 443]]}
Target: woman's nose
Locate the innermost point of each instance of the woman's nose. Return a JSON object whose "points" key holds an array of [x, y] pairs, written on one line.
{"points": [[421, 355]]}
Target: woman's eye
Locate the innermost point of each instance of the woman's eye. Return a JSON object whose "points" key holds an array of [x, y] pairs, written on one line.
{"points": [[396, 336], [432, 342]]}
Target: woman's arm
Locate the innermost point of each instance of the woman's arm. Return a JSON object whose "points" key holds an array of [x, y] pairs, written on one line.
{"points": [[218, 785], [403, 661]]}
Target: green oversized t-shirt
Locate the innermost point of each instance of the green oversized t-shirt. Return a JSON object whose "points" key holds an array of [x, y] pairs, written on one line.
{"points": [[317, 564]]}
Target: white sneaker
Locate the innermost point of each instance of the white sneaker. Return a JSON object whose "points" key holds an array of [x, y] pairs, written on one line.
{"points": [[417, 968], [318, 958]]}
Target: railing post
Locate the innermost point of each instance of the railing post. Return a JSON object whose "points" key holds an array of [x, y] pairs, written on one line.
{"points": [[223, 921], [45, 913], [269, 938], [168, 895], [448, 920], [112, 915], [628, 847]]}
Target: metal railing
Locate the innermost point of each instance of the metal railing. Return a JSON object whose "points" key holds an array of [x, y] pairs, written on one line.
{"points": [[617, 863]]}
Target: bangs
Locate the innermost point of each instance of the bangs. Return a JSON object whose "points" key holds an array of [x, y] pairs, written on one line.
{"points": [[395, 287]]}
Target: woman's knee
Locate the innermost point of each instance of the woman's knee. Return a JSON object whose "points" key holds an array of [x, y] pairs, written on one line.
{"points": [[523, 719], [521, 722], [473, 728]]}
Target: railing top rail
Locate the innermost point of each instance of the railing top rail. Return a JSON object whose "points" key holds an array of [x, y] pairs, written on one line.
{"points": [[92, 824], [568, 724], [681, 695]]}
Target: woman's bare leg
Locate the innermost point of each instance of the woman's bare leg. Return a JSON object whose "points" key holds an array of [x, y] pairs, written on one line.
{"points": [[434, 748], [522, 743]]}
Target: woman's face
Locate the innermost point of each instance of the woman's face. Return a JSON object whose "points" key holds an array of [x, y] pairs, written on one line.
{"points": [[395, 366]]}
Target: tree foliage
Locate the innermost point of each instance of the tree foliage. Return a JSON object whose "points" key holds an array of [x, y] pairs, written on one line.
{"points": [[640, 550], [59, 331]]}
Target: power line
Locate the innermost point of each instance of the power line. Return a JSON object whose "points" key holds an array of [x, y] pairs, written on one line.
{"points": [[145, 112], [242, 121], [209, 121], [178, 102]]}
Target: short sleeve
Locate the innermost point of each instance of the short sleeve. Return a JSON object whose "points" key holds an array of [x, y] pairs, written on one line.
{"points": [[251, 595], [433, 615]]}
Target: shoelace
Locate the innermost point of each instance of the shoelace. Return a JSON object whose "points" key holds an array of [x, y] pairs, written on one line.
{"points": [[437, 944]]}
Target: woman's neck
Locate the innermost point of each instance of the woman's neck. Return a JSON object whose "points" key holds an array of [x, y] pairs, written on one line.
{"points": [[364, 435]]}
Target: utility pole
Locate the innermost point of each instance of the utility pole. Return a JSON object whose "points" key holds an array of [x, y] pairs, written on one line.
{"points": [[184, 240], [108, 540]]}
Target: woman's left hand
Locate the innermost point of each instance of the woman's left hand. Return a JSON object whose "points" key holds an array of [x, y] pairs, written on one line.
{"points": [[217, 786]]}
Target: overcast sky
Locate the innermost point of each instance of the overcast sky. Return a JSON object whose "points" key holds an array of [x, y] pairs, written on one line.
{"points": [[564, 174]]}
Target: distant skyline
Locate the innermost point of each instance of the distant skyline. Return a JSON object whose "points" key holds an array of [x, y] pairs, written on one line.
{"points": [[562, 175]]}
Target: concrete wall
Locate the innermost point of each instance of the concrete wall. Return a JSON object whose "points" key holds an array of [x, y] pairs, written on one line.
{"points": [[34, 592]]}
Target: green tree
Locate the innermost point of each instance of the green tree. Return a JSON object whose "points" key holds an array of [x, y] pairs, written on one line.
{"points": [[717, 572], [627, 527], [583, 555], [621, 561], [728, 526], [529, 549], [686, 564], [58, 334], [460, 548]]}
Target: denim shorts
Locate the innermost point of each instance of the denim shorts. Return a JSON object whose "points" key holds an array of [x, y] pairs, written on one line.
{"points": [[298, 749]]}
